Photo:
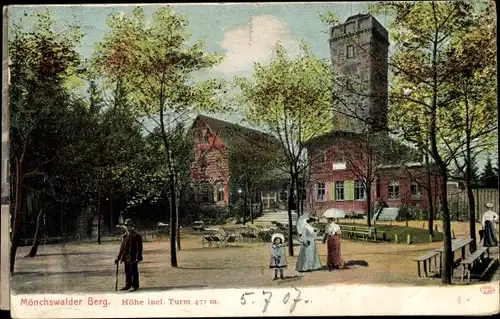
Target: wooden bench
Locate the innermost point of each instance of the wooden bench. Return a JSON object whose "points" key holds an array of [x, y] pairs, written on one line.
{"points": [[469, 262], [361, 232], [426, 258]]}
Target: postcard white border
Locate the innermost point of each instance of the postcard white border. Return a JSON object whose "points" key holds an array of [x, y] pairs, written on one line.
{"points": [[332, 300], [5, 216]]}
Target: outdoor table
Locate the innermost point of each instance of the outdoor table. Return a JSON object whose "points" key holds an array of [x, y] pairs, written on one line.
{"points": [[458, 244]]}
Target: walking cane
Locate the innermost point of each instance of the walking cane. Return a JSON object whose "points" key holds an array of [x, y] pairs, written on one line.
{"points": [[116, 280]]}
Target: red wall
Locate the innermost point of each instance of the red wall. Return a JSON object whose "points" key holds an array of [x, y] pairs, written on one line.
{"points": [[323, 172], [213, 150]]}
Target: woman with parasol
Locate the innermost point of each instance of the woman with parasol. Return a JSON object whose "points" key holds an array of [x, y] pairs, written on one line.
{"points": [[308, 259], [332, 238]]}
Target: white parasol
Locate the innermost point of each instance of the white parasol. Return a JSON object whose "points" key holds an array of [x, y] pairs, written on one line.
{"points": [[334, 213], [302, 223]]}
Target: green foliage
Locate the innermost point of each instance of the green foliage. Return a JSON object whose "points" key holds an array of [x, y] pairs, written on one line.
{"points": [[435, 52], [411, 212], [154, 62], [291, 98], [489, 176]]}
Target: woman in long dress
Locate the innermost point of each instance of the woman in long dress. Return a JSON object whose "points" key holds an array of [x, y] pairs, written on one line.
{"points": [[332, 238], [308, 259], [489, 230]]}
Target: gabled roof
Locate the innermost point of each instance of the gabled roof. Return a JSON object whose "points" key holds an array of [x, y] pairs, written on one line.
{"points": [[231, 133]]}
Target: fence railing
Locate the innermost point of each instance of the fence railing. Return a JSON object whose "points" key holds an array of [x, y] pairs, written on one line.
{"points": [[459, 202]]}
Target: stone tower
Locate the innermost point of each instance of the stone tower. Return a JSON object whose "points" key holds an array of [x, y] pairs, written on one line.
{"points": [[359, 53]]}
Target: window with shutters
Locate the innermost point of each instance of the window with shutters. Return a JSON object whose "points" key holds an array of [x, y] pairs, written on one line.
{"points": [[393, 190], [339, 190], [320, 191], [415, 191], [359, 190]]}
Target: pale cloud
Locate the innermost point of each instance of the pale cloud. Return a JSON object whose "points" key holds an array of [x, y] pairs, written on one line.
{"points": [[254, 42]]}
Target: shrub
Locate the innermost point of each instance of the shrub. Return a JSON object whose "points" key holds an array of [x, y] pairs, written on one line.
{"points": [[411, 212]]}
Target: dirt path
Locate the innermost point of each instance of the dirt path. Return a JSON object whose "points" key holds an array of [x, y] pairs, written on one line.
{"points": [[90, 268]]}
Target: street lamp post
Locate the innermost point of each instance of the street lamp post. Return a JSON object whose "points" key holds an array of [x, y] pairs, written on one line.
{"points": [[173, 214]]}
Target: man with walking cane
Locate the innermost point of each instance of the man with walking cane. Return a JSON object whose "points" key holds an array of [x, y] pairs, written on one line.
{"points": [[130, 254]]}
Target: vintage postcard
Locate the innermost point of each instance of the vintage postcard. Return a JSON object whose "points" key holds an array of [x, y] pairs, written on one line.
{"points": [[258, 159]]}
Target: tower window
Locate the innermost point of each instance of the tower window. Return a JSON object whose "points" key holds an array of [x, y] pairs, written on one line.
{"points": [[350, 51]]}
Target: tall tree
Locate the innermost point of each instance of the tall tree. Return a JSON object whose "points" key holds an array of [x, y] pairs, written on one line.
{"points": [[155, 61], [473, 79], [43, 61], [291, 97], [489, 176], [423, 64]]}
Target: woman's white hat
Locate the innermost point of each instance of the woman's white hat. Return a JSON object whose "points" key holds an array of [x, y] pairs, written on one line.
{"points": [[278, 235], [489, 205]]}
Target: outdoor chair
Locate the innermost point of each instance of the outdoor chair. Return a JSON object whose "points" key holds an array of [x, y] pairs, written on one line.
{"points": [[244, 237], [252, 237], [207, 240], [231, 239], [217, 240]]}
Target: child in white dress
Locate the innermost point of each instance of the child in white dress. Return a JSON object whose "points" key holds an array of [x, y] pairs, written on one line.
{"points": [[278, 258]]}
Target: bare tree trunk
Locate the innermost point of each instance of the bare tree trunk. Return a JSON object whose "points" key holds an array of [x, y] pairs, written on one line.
{"points": [[468, 174], [17, 211], [111, 215], [290, 202], [430, 199], [178, 240], [261, 208], [369, 203], [99, 218], [472, 218], [173, 223], [447, 255], [36, 237], [251, 206], [245, 206], [296, 198]]}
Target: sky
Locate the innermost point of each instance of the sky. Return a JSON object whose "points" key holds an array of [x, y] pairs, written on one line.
{"points": [[245, 33]]}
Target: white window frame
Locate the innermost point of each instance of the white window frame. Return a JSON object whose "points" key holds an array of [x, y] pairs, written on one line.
{"points": [[320, 196], [359, 189], [394, 190], [339, 190]]}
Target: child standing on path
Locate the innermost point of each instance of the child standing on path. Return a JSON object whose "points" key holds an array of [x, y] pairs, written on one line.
{"points": [[278, 259]]}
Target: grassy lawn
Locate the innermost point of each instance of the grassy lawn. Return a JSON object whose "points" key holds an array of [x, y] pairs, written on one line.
{"points": [[417, 235]]}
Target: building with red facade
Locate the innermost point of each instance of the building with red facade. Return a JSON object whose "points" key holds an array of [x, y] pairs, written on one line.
{"points": [[215, 141], [346, 163], [339, 168]]}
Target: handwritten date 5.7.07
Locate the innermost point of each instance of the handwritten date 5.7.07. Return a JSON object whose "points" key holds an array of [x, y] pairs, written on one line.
{"points": [[251, 297]]}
